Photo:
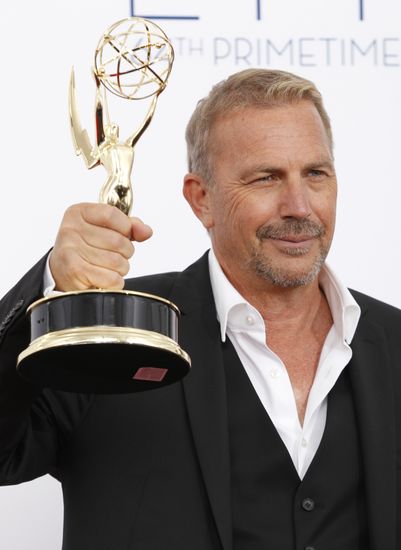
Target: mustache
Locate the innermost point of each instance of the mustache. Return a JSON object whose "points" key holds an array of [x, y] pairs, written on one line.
{"points": [[291, 228]]}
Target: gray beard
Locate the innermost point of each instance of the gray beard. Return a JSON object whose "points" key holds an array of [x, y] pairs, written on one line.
{"points": [[264, 268]]}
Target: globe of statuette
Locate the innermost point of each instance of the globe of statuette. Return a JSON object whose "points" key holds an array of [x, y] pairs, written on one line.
{"points": [[134, 58]]}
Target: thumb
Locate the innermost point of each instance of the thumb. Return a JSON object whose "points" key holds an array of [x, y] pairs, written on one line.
{"points": [[140, 231]]}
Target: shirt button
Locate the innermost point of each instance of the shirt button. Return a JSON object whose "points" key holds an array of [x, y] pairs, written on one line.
{"points": [[274, 373], [304, 442], [250, 320], [308, 504]]}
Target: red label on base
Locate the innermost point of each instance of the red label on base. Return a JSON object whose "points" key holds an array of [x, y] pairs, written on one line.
{"points": [[151, 374]]}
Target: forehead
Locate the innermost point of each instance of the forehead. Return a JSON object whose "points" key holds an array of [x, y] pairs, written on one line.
{"points": [[284, 131]]}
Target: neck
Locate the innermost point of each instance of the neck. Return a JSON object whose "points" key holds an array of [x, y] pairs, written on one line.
{"points": [[298, 308]]}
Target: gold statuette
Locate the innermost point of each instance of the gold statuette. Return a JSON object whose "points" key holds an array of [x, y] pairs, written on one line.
{"points": [[104, 341], [133, 60]]}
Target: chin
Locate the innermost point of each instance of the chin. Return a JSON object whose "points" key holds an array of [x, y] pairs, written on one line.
{"points": [[287, 276]]}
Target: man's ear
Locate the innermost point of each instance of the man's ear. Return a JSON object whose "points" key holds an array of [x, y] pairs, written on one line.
{"points": [[198, 195]]}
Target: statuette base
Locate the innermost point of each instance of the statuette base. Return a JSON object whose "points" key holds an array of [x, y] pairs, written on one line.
{"points": [[129, 344]]}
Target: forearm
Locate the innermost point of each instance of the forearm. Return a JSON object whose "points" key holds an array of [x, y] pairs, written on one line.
{"points": [[16, 395]]}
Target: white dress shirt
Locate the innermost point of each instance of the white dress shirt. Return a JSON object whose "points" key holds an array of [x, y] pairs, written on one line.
{"points": [[245, 327], [49, 283]]}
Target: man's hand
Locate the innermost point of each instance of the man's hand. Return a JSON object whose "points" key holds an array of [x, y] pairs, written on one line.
{"points": [[93, 247]]}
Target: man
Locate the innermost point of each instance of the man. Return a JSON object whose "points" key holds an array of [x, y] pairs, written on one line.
{"points": [[285, 435]]}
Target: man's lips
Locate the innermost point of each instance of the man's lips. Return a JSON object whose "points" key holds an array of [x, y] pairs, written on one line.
{"points": [[295, 231], [294, 242], [294, 238]]}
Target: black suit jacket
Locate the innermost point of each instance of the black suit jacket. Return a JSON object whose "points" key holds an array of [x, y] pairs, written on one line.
{"points": [[152, 470]]}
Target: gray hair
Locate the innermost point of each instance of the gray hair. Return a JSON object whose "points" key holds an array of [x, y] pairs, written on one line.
{"points": [[252, 87]]}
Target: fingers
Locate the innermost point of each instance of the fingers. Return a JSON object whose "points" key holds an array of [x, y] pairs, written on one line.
{"points": [[104, 215], [72, 272], [102, 238], [93, 246]]}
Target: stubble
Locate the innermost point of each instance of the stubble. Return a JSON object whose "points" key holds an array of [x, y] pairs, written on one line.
{"points": [[268, 269]]}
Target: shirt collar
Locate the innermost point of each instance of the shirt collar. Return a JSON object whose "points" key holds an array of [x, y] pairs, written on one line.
{"points": [[344, 309]]}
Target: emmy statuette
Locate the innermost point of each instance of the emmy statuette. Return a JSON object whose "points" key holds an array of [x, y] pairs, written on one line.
{"points": [[99, 340]]}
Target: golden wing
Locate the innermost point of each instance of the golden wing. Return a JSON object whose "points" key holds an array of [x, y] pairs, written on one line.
{"points": [[80, 136]]}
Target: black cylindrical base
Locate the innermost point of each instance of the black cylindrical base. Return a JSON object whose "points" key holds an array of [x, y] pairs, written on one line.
{"points": [[103, 342]]}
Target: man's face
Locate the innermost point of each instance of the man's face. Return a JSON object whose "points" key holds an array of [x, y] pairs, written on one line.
{"points": [[273, 196]]}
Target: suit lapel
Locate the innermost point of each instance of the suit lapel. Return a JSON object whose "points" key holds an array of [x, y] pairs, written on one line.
{"points": [[205, 390], [372, 382]]}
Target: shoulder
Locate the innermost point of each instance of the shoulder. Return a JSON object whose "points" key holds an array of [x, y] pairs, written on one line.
{"points": [[376, 310], [192, 279], [159, 282]]}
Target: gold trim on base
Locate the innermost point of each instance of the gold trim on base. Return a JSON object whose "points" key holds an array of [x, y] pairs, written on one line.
{"points": [[103, 291], [103, 335]]}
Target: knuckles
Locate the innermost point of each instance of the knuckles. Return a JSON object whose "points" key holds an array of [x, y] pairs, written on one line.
{"points": [[105, 215]]}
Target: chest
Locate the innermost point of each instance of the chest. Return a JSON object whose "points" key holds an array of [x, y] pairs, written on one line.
{"points": [[298, 342], [300, 357]]}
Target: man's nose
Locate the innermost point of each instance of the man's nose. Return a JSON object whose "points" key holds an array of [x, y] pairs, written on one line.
{"points": [[295, 199]]}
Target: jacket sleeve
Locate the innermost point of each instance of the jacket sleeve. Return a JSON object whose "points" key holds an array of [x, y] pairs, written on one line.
{"points": [[34, 422]]}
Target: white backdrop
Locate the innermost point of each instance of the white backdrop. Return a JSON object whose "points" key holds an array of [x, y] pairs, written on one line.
{"points": [[350, 48]]}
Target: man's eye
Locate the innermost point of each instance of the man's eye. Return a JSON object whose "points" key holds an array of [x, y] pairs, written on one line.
{"points": [[316, 173], [266, 178]]}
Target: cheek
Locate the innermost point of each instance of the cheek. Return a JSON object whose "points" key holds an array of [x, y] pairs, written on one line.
{"points": [[252, 206], [233, 220], [243, 210], [331, 214], [328, 219], [242, 217], [324, 208]]}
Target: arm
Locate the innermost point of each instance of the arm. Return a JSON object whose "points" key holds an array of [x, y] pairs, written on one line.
{"points": [[91, 250], [132, 140], [33, 422]]}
